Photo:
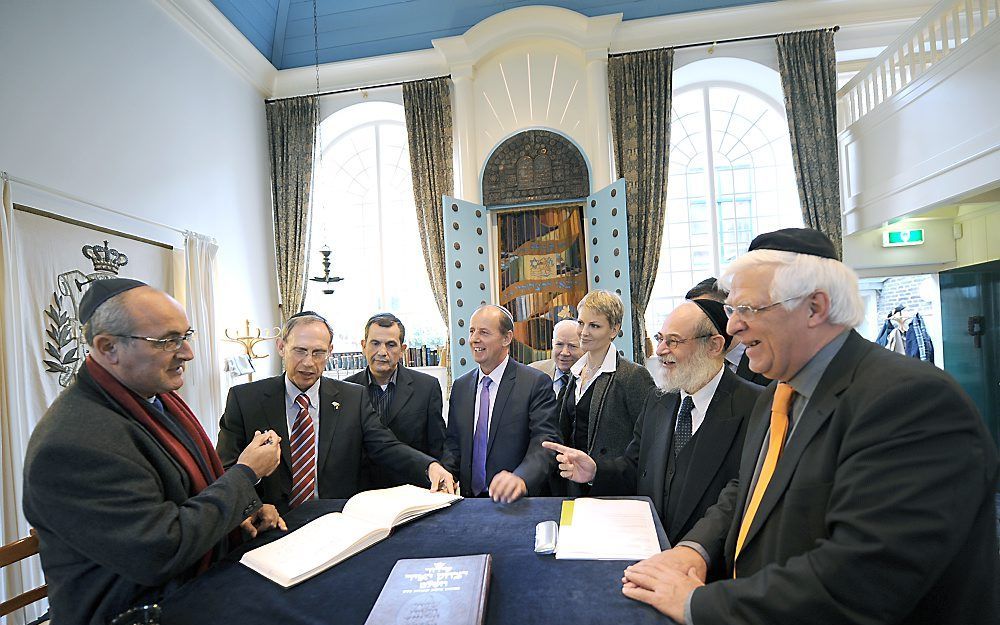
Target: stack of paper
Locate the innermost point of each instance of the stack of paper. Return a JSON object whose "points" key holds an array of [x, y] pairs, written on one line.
{"points": [[606, 529]]}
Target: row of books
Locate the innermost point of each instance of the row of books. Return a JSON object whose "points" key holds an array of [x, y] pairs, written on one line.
{"points": [[346, 360], [423, 356]]}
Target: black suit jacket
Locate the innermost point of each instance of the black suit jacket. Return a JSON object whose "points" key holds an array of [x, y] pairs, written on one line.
{"points": [[347, 425], [714, 463], [743, 370], [881, 509], [524, 415], [414, 416]]}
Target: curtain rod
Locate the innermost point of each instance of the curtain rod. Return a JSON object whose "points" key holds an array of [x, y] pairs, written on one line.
{"points": [[680, 47], [730, 40], [351, 89], [67, 196]]}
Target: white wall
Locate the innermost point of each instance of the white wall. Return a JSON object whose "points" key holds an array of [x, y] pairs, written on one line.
{"points": [[933, 142], [116, 103]]}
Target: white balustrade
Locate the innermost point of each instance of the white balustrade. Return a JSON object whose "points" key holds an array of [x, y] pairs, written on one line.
{"points": [[937, 34]]}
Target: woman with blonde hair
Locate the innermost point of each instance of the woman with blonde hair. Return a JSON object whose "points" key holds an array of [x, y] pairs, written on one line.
{"points": [[598, 410]]}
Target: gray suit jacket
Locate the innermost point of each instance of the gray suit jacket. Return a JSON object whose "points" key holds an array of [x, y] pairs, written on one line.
{"points": [[414, 416], [523, 417], [116, 523], [881, 509], [715, 461], [347, 425]]}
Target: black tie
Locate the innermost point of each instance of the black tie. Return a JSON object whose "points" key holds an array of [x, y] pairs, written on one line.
{"points": [[682, 433], [563, 379]]}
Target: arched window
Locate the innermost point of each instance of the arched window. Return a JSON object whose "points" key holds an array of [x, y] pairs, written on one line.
{"points": [[364, 212], [730, 178]]}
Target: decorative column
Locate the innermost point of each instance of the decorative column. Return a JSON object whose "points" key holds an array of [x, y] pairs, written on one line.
{"points": [[598, 105], [464, 120]]}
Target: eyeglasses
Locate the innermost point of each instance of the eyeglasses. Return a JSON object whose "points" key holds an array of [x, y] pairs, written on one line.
{"points": [[316, 354], [170, 344], [672, 341], [749, 312]]}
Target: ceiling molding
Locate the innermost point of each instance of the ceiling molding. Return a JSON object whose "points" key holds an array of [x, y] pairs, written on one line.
{"points": [[767, 19], [863, 23], [358, 73], [527, 23], [212, 29]]}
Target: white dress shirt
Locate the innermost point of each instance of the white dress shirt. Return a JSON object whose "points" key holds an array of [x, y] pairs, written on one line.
{"points": [[496, 375], [610, 365], [701, 398]]}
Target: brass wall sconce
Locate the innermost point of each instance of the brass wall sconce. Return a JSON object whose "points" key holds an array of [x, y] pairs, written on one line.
{"points": [[248, 340]]}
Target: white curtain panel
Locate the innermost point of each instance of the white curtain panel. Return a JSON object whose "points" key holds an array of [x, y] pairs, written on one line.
{"points": [[202, 388], [15, 428]]}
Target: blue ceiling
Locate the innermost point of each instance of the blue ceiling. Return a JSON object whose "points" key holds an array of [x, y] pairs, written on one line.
{"points": [[351, 29]]}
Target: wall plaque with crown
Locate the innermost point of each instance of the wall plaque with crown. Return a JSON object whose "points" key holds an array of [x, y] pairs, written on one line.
{"points": [[64, 257]]}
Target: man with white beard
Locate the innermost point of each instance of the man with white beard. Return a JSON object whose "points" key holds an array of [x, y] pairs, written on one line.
{"points": [[688, 438]]}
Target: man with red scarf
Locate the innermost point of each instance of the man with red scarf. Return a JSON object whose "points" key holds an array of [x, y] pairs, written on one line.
{"points": [[121, 482]]}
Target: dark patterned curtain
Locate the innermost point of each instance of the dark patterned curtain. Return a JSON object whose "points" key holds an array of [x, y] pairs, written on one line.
{"points": [[808, 66], [427, 105], [291, 128], [639, 85]]}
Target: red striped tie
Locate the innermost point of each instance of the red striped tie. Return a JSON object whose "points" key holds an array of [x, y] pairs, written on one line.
{"points": [[303, 454]]}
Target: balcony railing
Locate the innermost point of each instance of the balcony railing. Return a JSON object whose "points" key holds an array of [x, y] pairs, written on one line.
{"points": [[937, 34]]}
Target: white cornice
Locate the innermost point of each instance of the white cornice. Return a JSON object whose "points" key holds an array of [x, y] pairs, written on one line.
{"points": [[864, 23], [211, 28], [358, 73], [763, 19], [530, 22]]}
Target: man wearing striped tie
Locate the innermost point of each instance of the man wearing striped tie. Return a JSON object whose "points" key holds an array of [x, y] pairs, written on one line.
{"points": [[325, 426], [867, 480]]}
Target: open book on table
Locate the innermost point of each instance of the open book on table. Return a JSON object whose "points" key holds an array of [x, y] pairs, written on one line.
{"points": [[367, 518]]}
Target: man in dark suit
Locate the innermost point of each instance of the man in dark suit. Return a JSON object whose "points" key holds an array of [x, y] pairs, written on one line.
{"points": [[736, 359], [867, 480], [407, 402], [688, 437], [327, 463], [566, 351], [498, 416], [120, 480]]}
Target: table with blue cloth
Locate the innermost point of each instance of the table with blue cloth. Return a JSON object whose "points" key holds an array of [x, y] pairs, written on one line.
{"points": [[525, 587]]}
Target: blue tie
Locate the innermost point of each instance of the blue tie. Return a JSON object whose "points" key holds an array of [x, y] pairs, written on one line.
{"points": [[481, 439], [158, 404]]}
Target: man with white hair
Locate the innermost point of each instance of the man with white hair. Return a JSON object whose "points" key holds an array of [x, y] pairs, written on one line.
{"points": [[867, 481], [688, 436], [566, 351]]}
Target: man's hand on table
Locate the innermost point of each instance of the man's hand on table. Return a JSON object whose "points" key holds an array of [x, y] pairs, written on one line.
{"points": [[507, 487], [441, 479], [264, 519], [667, 590], [665, 580]]}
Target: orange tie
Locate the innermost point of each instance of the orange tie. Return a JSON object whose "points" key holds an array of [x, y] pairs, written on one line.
{"points": [[779, 427]]}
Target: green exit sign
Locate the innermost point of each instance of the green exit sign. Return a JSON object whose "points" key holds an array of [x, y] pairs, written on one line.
{"points": [[896, 238]]}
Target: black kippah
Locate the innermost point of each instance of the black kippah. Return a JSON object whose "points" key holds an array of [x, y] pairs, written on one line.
{"points": [[798, 240], [717, 315], [309, 313], [101, 291]]}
